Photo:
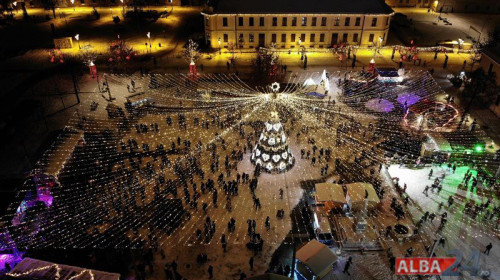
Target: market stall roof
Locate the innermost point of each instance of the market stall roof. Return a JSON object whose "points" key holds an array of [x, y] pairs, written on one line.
{"points": [[316, 256], [29, 269], [269, 276], [330, 192], [356, 192]]}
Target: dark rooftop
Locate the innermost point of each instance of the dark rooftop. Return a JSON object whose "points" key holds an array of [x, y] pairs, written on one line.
{"points": [[302, 7]]}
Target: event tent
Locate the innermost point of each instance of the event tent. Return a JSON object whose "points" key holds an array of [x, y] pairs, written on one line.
{"points": [[315, 259], [330, 194], [356, 195]]}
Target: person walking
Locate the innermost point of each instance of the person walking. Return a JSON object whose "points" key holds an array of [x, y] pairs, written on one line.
{"points": [[488, 248], [210, 272], [250, 262], [223, 242], [347, 265]]}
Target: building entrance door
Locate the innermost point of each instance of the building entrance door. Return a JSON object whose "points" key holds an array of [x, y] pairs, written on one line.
{"points": [[335, 38], [262, 39]]}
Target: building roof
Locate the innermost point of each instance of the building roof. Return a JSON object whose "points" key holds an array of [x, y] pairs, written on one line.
{"points": [[302, 7]]}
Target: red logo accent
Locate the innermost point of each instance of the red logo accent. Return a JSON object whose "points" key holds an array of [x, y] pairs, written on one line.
{"points": [[422, 266]]}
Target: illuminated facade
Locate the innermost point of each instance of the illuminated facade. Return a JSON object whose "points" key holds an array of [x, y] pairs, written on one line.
{"points": [[106, 3], [293, 24]]}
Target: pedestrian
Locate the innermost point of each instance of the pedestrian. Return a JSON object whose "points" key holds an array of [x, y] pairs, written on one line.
{"points": [[347, 265], [223, 242], [430, 173], [210, 272], [488, 248], [250, 262], [281, 193], [268, 223]]}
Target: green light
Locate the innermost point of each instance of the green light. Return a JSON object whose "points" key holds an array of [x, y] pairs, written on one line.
{"points": [[478, 148]]}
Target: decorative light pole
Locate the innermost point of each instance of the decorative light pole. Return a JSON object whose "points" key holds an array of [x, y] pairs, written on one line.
{"points": [[73, 3], [218, 41], [149, 38], [123, 5], [77, 37]]}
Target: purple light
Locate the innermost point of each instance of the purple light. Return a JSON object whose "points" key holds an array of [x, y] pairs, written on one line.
{"points": [[409, 98], [11, 259], [379, 105]]}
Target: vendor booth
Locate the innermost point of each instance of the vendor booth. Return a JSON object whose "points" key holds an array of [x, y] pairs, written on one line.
{"points": [[315, 260], [330, 196], [356, 193]]}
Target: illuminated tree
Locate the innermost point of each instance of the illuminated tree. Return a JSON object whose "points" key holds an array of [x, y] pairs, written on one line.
{"points": [[191, 52]]}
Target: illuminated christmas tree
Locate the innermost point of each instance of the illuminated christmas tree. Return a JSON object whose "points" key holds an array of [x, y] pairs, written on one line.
{"points": [[271, 151]]}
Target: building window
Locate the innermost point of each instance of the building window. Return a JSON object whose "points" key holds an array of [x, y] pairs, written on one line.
{"points": [[312, 38], [374, 21], [322, 37], [273, 38], [283, 38], [358, 21], [250, 38], [292, 38], [323, 21], [240, 39], [355, 37], [344, 37], [304, 21], [284, 21], [303, 37], [82, 1], [240, 21], [226, 38], [313, 21], [250, 21], [224, 21], [347, 21], [294, 21], [261, 21], [275, 21], [337, 21], [370, 39]]}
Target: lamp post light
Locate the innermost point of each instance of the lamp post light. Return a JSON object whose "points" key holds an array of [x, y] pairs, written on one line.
{"points": [[123, 5], [73, 3], [149, 38], [218, 41], [111, 10], [77, 37]]}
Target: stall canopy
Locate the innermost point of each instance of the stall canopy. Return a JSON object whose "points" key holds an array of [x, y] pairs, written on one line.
{"points": [[269, 276], [317, 257], [29, 269], [356, 195], [330, 194]]}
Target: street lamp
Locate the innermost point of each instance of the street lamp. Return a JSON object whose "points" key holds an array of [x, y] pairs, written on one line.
{"points": [[73, 3], [149, 37], [77, 37], [218, 41], [123, 5], [111, 9]]}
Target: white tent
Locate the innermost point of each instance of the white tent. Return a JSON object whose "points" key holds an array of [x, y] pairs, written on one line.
{"points": [[315, 259], [356, 195], [330, 194]]}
